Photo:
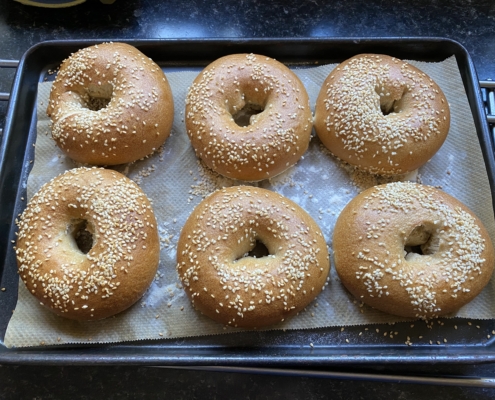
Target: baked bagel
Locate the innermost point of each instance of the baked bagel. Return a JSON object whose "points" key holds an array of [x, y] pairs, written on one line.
{"points": [[381, 115], [248, 117], [225, 282], [88, 244], [110, 104], [411, 250]]}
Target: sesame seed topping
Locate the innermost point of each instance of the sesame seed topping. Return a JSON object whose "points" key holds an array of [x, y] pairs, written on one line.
{"points": [[96, 121], [275, 137], [454, 255], [371, 112], [115, 213], [246, 286]]}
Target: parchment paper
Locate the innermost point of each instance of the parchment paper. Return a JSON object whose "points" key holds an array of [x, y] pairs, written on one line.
{"points": [[176, 182]]}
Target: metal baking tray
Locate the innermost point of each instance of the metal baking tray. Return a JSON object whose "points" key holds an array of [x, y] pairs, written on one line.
{"points": [[468, 341]]}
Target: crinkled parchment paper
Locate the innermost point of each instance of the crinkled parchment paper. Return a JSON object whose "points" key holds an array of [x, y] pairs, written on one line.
{"points": [[176, 182]]}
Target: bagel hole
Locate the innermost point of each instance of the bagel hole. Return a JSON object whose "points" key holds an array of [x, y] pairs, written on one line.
{"points": [[388, 105], [413, 249], [243, 116], [258, 251], [98, 97], [421, 242], [81, 235]]}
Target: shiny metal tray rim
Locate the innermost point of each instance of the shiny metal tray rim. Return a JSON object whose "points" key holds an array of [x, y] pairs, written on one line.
{"points": [[252, 349]]}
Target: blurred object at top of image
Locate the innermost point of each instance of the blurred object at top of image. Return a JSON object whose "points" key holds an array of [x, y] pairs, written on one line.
{"points": [[57, 3]]}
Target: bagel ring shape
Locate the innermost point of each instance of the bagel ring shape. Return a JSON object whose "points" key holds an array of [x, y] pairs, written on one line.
{"points": [[411, 250], [110, 104], [233, 288], [274, 139], [381, 115], [121, 261]]}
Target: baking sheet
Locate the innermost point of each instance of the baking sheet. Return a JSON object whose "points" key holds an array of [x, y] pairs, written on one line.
{"points": [[174, 174]]}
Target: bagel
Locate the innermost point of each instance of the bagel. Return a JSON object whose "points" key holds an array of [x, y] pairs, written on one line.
{"points": [[110, 104], [381, 115], [411, 250], [87, 246], [248, 117], [225, 282]]}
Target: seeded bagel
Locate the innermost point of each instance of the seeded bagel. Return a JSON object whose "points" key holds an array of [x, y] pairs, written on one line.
{"points": [[411, 250], [110, 104], [248, 117], [88, 245], [381, 115], [225, 282]]}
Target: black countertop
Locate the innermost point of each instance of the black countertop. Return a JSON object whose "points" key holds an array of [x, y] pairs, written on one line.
{"points": [[472, 23]]}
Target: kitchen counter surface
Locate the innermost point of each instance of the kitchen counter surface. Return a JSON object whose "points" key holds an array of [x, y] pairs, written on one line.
{"points": [[472, 23]]}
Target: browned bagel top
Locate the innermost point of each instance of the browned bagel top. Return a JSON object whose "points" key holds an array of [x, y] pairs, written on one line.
{"points": [[381, 114], [121, 259], [412, 250], [244, 291], [110, 104], [275, 137]]}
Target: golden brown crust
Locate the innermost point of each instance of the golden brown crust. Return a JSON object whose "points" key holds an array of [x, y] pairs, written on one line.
{"points": [[124, 257], [274, 140], [137, 119], [373, 244], [251, 292], [403, 136]]}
